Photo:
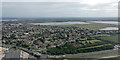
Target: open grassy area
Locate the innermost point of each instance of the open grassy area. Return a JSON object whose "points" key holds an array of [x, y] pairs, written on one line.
{"points": [[113, 38], [89, 41], [97, 54], [92, 26], [96, 46]]}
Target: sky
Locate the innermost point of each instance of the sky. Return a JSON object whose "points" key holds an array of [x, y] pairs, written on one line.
{"points": [[59, 8]]}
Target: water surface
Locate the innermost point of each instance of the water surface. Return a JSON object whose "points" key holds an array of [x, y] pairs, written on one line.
{"points": [[110, 28], [106, 22], [60, 23]]}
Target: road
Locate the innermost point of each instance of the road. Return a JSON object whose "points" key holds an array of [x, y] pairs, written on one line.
{"points": [[13, 54]]}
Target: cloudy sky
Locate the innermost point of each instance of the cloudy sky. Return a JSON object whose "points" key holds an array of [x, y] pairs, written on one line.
{"points": [[59, 8]]}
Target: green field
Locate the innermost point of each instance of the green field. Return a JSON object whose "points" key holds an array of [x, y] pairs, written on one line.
{"points": [[90, 41], [113, 38], [92, 26], [97, 54]]}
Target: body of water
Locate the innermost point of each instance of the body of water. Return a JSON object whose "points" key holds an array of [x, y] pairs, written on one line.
{"points": [[110, 28], [60, 23], [106, 22]]}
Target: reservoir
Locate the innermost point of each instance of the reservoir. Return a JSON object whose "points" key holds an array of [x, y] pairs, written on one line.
{"points": [[60, 23], [106, 22], [110, 28]]}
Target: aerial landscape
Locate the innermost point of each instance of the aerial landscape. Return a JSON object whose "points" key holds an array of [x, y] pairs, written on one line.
{"points": [[42, 31], [61, 39]]}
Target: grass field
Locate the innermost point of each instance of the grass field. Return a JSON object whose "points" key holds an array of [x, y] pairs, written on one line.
{"points": [[97, 54], [114, 38], [92, 41], [92, 26]]}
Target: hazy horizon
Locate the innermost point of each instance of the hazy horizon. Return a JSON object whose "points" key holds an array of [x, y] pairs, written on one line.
{"points": [[58, 9]]}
